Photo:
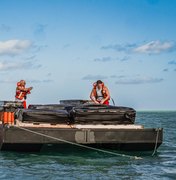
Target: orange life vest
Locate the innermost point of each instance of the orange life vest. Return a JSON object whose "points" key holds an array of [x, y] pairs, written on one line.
{"points": [[20, 94], [103, 90]]}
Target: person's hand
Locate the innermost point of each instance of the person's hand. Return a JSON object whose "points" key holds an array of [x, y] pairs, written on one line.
{"points": [[102, 102], [28, 89], [96, 102]]}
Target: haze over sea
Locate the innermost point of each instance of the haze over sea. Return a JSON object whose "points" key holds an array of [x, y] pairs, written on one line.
{"points": [[83, 164]]}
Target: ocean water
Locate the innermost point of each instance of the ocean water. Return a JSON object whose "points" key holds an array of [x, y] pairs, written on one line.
{"points": [[89, 164]]}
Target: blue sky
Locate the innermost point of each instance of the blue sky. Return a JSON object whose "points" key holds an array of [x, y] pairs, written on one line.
{"points": [[62, 46]]}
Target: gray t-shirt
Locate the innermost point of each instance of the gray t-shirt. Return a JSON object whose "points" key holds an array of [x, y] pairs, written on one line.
{"points": [[99, 94]]}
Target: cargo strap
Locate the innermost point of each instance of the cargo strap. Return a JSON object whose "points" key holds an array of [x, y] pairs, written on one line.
{"points": [[79, 145]]}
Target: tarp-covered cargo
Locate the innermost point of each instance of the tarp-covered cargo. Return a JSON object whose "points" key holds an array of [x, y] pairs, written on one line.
{"points": [[102, 114], [45, 116], [53, 107], [74, 102], [79, 114]]}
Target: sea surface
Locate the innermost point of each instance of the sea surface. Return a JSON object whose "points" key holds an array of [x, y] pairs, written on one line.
{"points": [[87, 164]]}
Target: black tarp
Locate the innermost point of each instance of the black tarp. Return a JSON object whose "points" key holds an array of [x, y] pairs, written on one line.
{"points": [[52, 107], [79, 114], [74, 102], [46, 116], [102, 114]]}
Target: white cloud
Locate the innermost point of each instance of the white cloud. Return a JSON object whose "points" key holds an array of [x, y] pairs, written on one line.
{"points": [[94, 77], [104, 59], [120, 47], [126, 80], [40, 31], [119, 76], [40, 81], [172, 62], [108, 59], [166, 70], [155, 47], [5, 28], [14, 47], [7, 66], [138, 80], [7, 81], [29, 81]]}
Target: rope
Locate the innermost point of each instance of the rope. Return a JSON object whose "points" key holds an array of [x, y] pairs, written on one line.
{"points": [[156, 142], [113, 101], [80, 145]]}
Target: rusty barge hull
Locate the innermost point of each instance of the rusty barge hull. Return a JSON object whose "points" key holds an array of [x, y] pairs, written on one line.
{"points": [[123, 138]]}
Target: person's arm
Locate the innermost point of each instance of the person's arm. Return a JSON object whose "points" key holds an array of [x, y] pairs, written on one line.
{"points": [[107, 97], [21, 88], [92, 97]]}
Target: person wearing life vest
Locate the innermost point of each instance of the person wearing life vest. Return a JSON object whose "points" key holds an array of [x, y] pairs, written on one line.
{"points": [[22, 92], [100, 93]]}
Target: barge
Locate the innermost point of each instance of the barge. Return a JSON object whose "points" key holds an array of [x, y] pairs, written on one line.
{"points": [[30, 134]]}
